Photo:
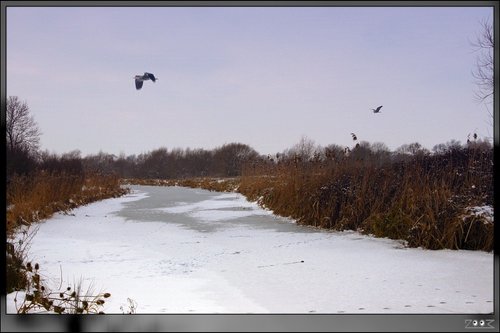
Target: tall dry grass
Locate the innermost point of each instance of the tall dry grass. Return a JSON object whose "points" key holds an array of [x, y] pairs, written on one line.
{"points": [[423, 199], [38, 196]]}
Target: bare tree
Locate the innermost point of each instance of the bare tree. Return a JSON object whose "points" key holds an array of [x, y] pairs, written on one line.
{"points": [[305, 150], [415, 149], [23, 133], [483, 73], [229, 159]]}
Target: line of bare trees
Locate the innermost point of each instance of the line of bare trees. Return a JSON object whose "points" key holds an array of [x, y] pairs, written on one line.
{"points": [[229, 160], [24, 156], [224, 161], [235, 159]]}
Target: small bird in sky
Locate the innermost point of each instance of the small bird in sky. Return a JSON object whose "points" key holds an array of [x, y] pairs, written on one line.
{"points": [[377, 110], [354, 137], [139, 79]]}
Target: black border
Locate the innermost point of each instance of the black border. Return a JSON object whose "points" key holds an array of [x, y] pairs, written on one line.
{"points": [[252, 322]]}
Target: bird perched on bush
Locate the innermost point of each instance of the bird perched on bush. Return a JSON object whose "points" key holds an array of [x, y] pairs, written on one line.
{"points": [[139, 79]]}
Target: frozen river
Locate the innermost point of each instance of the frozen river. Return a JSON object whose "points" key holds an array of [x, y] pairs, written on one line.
{"points": [[180, 250]]}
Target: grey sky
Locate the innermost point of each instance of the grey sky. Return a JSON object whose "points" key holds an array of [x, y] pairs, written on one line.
{"points": [[260, 76]]}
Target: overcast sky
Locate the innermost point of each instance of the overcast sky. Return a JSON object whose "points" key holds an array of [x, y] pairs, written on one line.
{"points": [[261, 76]]}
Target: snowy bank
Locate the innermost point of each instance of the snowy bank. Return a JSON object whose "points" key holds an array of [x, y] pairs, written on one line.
{"points": [[179, 250]]}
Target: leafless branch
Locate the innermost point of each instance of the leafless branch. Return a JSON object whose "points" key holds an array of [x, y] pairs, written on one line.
{"points": [[483, 72]]}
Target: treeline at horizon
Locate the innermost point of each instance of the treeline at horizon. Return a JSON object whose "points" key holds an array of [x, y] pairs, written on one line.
{"points": [[228, 160]]}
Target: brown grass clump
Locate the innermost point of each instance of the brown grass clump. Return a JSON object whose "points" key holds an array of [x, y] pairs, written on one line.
{"points": [[422, 200], [38, 196]]}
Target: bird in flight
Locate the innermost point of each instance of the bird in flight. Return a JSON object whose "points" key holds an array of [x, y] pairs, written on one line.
{"points": [[377, 110], [354, 137], [139, 79]]}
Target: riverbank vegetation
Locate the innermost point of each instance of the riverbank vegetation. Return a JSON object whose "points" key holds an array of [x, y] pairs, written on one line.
{"points": [[436, 200], [429, 200]]}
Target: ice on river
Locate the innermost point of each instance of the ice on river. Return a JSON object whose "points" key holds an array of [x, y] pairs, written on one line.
{"points": [[180, 250]]}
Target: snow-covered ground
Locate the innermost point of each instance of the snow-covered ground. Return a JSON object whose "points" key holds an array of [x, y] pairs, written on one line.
{"points": [[179, 250]]}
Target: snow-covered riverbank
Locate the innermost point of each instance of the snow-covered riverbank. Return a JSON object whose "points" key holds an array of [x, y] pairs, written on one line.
{"points": [[179, 250]]}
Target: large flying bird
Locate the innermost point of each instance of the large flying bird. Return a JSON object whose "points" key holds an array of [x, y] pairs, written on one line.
{"points": [[139, 79]]}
